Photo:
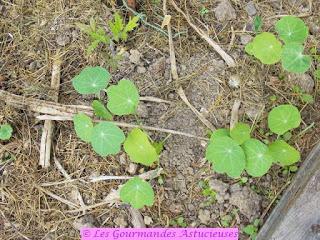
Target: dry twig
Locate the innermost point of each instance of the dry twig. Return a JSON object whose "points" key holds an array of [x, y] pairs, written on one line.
{"points": [[235, 113]]}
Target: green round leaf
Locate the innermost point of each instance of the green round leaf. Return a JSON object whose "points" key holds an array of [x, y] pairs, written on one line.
{"points": [[137, 192], [293, 59], [123, 98], [283, 153], [107, 138], [240, 132], [249, 48], [292, 29], [284, 118], [91, 80], [266, 47], [5, 132], [139, 148], [227, 156], [259, 160], [222, 132], [83, 126], [100, 110]]}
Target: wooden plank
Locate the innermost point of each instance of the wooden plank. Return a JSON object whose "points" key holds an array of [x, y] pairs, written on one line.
{"points": [[297, 215]]}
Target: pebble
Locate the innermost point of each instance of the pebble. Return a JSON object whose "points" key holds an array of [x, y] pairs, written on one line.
{"points": [[147, 220], [135, 56], [132, 169], [141, 69], [204, 216], [225, 11], [85, 221], [251, 8], [120, 221]]}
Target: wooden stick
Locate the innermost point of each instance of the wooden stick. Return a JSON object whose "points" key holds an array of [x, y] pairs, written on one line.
{"points": [[235, 113], [46, 138], [227, 58]]}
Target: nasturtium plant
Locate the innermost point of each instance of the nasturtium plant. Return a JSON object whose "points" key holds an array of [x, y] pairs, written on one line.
{"points": [[91, 80], [284, 118], [107, 138], [222, 132], [5, 131], [137, 192], [283, 153], [240, 132], [266, 47], [100, 110], [226, 156], [139, 148], [258, 158], [123, 98], [292, 29], [83, 126], [293, 59]]}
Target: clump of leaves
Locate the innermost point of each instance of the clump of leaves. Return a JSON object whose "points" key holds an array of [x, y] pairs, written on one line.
{"points": [[252, 229], [233, 151], [119, 29], [304, 97], [5, 131], [106, 138], [269, 50]]}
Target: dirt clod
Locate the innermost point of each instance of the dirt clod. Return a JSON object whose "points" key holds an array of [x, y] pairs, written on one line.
{"points": [[225, 11]]}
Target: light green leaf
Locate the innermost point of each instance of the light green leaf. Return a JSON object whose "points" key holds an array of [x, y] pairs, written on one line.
{"points": [[266, 47], [83, 126], [227, 156], [222, 132], [249, 48], [139, 148], [307, 98], [91, 80], [107, 138], [292, 29], [284, 118], [116, 27], [259, 160], [100, 110], [240, 132], [293, 59], [283, 153], [133, 23], [123, 98], [137, 192], [5, 131], [257, 23]]}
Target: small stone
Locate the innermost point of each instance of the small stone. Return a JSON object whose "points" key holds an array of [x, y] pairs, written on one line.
{"points": [[132, 169], [218, 186], [304, 81], [204, 216], [245, 39], [85, 221], [234, 81], [122, 159], [314, 29], [135, 56], [120, 221], [141, 69], [147, 220], [251, 8], [225, 11], [62, 40]]}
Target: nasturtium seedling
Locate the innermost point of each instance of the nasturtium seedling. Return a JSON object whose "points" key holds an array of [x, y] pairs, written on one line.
{"points": [[283, 153], [5, 132], [258, 158], [91, 80], [293, 59], [292, 29], [107, 138], [83, 126], [139, 148], [266, 47], [284, 118], [123, 98], [137, 192], [240, 132], [222, 132], [226, 156], [100, 110]]}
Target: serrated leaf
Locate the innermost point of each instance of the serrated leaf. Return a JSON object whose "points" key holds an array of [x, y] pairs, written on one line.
{"points": [[284, 118], [91, 80], [139, 148], [116, 27], [137, 192], [123, 98], [132, 24], [293, 59], [240, 132], [83, 126], [100, 110], [292, 29], [107, 138], [307, 98], [258, 158], [5, 132], [257, 23], [222, 132], [283, 153], [226, 156], [266, 47]]}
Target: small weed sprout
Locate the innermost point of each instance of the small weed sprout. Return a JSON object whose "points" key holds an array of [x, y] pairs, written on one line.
{"points": [[5, 132]]}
